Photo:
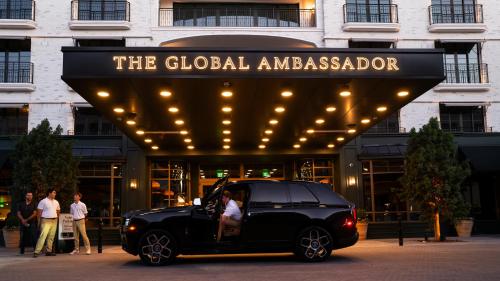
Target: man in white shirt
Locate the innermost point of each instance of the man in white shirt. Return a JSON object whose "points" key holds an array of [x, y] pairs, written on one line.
{"points": [[79, 211], [48, 212], [232, 214]]}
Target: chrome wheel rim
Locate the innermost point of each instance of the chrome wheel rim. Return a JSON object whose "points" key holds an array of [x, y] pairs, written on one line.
{"points": [[157, 248], [315, 243]]}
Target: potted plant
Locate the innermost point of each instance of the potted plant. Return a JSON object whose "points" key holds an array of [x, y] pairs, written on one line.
{"points": [[362, 224], [463, 222], [11, 233], [433, 175]]}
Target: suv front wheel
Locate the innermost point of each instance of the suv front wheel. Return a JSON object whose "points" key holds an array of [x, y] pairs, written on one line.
{"points": [[157, 247], [314, 244]]}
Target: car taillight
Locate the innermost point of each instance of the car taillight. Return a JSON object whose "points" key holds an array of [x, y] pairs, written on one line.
{"points": [[354, 214], [348, 222]]}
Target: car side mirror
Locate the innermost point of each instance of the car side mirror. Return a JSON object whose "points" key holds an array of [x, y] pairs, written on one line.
{"points": [[197, 202]]}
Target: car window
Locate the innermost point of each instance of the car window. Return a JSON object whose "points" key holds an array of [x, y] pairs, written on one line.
{"points": [[299, 194], [326, 195], [273, 193]]}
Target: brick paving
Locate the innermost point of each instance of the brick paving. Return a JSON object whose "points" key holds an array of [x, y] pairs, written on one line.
{"points": [[476, 259]]}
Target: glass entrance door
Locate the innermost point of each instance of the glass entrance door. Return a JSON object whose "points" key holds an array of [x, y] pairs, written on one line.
{"points": [[210, 173]]}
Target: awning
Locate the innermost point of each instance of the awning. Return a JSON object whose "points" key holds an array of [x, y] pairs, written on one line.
{"points": [[98, 153], [382, 151], [482, 158], [172, 97]]}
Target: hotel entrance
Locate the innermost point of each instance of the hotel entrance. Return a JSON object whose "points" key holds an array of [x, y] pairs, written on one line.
{"points": [[260, 107]]}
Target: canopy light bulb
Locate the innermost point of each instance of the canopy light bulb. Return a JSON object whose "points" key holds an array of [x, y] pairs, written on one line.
{"points": [[103, 94], [165, 94]]}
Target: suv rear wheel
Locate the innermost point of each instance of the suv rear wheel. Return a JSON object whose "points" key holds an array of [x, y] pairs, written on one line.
{"points": [[314, 244], [157, 247]]}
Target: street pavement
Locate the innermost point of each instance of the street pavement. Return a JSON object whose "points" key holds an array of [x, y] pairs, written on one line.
{"points": [[477, 258]]}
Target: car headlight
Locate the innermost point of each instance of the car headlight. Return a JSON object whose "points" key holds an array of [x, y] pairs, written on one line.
{"points": [[127, 222]]}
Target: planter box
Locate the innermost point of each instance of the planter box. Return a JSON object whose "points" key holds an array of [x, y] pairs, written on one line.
{"points": [[362, 230], [464, 227], [11, 238]]}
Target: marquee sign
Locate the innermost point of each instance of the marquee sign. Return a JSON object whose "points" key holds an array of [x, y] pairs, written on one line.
{"points": [[290, 63], [264, 63]]}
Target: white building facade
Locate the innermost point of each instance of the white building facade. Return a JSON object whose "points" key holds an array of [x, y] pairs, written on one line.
{"points": [[55, 24]]}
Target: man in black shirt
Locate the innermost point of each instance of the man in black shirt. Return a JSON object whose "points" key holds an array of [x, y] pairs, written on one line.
{"points": [[27, 216]]}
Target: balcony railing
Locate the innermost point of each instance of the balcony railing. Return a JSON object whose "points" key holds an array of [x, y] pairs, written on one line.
{"points": [[382, 13], [16, 72], [386, 130], [463, 73], [468, 13], [98, 10], [476, 128], [237, 17], [17, 9]]}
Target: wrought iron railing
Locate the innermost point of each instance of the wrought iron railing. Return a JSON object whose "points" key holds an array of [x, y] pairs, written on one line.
{"points": [[17, 9], [100, 10], [237, 17], [466, 73], [467, 13], [387, 129], [475, 128], [16, 72], [110, 130], [376, 13]]}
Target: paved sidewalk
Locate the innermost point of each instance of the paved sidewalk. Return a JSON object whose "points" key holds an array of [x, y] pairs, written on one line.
{"points": [[475, 259]]}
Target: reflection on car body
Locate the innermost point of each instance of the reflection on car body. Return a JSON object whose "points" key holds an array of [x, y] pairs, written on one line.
{"points": [[306, 218]]}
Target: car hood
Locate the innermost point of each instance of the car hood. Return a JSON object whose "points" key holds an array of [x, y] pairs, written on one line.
{"points": [[145, 212]]}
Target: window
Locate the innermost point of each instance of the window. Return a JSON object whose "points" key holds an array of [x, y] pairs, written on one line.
{"points": [[325, 195], [299, 194], [456, 11], [101, 184], [89, 122], [380, 188], [17, 9], [13, 121], [318, 170], [268, 170], [102, 10], [388, 125], [214, 171], [100, 42], [169, 181], [370, 11], [463, 63], [269, 193], [245, 15], [462, 118], [15, 61]]}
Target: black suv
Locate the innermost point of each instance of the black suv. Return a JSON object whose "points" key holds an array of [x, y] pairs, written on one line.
{"points": [[306, 218]]}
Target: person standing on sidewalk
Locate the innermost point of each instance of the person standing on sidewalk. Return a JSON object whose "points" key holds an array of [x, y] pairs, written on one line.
{"points": [[48, 212], [79, 212], [27, 216]]}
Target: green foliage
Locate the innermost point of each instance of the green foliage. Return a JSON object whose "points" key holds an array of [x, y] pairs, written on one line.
{"points": [[42, 159], [433, 176], [12, 221], [362, 215]]}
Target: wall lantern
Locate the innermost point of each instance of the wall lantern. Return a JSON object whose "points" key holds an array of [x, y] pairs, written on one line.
{"points": [[133, 184]]}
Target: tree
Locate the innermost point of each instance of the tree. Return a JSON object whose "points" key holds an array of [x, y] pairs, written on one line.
{"points": [[433, 175], [42, 159]]}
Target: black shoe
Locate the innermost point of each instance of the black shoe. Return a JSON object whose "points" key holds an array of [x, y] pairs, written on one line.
{"points": [[35, 255], [50, 254]]}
